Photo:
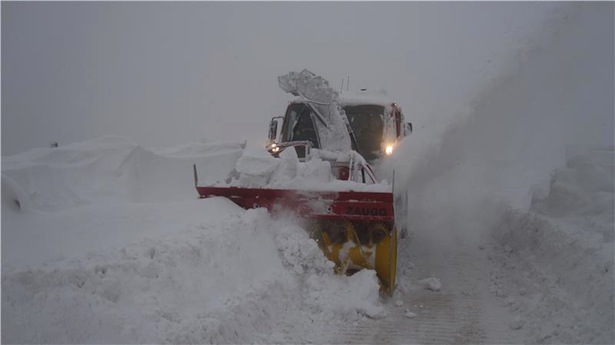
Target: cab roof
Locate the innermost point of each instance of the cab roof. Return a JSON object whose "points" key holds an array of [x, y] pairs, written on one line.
{"points": [[358, 98]]}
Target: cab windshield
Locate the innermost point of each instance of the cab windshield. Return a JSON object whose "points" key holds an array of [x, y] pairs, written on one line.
{"points": [[367, 123]]}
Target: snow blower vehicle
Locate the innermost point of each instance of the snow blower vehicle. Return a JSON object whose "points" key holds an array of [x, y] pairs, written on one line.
{"points": [[320, 170]]}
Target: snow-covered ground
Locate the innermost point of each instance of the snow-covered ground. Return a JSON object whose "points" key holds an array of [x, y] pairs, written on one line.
{"points": [[89, 254], [105, 241]]}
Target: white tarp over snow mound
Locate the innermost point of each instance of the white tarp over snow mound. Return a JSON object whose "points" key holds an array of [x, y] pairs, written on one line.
{"points": [[113, 169]]}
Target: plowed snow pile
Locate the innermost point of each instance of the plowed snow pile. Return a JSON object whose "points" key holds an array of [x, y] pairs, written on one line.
{"points": [[105, 242], [556, 260]]}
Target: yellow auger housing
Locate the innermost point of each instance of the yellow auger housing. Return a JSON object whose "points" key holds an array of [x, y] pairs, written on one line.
{"points": [[354, 245]]}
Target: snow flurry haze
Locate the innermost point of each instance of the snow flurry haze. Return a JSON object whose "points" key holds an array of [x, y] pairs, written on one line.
{"points": [[509, 172]]}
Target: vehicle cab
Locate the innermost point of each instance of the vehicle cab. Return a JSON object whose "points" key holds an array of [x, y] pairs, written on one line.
{"points": [[375, 125]]}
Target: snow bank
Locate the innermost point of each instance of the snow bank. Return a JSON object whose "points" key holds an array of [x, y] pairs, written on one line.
{"points": [[582, 189], [142, 266], [145, 292], [555, 256], [560, 254]]}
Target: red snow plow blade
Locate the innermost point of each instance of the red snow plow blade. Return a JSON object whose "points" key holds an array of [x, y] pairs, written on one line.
{"points": [[364, 206], [355, 230]]}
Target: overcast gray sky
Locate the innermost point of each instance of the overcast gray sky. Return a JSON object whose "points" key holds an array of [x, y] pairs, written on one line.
{"points": [[167, 73]]}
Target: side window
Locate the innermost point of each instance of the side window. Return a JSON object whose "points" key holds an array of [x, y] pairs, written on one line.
{"points": [[289, 123], [296, 118]]}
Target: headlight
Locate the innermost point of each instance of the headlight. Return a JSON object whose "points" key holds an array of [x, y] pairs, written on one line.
{"points": [[388, 150], [274, 148]]}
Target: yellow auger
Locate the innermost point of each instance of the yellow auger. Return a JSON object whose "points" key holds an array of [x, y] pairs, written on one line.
{"points": [[354, 245]]}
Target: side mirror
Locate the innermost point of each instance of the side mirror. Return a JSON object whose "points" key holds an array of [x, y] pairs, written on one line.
{"points": [[408, 128], [273, 130], [272, 136]]}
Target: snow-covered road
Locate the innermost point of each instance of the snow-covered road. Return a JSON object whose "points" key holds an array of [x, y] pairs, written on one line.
{"points": [[464, 310]]}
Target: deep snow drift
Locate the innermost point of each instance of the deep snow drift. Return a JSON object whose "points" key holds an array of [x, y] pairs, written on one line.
{"points": [[105, 241], [556, 261]]}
